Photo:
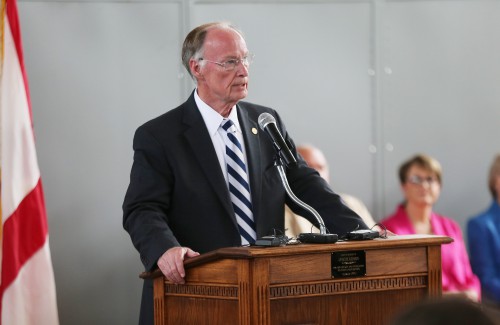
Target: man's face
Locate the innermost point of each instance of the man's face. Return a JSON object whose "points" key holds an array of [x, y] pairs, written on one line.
{"points": [[217, 87], [316, 160]]}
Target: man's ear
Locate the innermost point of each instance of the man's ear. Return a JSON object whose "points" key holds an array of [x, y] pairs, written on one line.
{"points": [[195, 67]]}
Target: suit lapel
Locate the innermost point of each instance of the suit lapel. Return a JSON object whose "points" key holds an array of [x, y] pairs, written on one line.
{"points": [[199, 140]]}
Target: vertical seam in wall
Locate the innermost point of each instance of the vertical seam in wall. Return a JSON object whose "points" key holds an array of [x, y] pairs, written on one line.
{"points": [[378, 110], [373, 106], [183, 30]]}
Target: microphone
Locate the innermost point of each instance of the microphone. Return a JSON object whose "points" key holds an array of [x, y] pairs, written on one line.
{"points": [[267, 123]]}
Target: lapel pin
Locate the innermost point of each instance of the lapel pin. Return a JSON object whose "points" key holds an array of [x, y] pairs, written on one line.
{"points": [[254, 130]]}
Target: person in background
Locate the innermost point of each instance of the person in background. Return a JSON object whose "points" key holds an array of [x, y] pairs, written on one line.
{"points": [[445, 311], [203, 175], [420, 179], [483, 233], [295, 224]]}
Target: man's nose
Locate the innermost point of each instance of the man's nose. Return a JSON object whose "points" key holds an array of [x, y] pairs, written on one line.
{"points": [[242, 69]]}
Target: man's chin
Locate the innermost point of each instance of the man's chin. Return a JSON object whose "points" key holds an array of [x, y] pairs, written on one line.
{"points": [[242, 94]]}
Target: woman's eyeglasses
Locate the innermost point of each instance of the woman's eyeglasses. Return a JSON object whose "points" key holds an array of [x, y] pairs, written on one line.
{"points": [[417, 180]]}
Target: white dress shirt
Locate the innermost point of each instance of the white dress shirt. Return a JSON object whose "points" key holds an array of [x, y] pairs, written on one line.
{"points": [[213, 121]]}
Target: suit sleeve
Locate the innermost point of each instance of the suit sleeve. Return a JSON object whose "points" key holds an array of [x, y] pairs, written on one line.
{"points": [[147, 200]]}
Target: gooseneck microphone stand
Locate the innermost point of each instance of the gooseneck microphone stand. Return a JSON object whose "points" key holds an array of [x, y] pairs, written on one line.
{"points": [[323, 236]]}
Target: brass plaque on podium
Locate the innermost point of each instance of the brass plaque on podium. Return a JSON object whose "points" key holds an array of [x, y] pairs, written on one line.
{"points": [[348, 264]]}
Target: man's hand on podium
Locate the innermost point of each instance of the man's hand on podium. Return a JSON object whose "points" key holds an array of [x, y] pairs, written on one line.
{"points": [[171, 263]]}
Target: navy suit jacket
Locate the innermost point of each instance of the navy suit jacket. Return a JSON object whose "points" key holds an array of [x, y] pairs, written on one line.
{"points": [[178, 195]]}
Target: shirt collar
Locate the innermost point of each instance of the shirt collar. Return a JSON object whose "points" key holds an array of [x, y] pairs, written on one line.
{"points": [[213, 119]]}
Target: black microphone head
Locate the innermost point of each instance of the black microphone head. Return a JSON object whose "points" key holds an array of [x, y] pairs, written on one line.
{"points": [[264, 119]]}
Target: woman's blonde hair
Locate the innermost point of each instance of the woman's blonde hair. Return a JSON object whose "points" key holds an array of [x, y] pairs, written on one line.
{"points": [[425, 162]]}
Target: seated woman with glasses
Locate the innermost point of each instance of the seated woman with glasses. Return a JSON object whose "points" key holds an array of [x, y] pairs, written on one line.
{"points": [[420, 179]]}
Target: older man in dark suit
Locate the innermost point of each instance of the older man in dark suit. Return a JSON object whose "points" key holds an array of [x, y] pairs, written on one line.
{"points": [[203, 175]]}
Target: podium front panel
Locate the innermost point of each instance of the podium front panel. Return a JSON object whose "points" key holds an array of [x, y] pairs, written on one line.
{"points": [[295, 285]]}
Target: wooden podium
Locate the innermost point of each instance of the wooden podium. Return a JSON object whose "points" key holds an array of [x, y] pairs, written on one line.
{"points": [[295, 284]]}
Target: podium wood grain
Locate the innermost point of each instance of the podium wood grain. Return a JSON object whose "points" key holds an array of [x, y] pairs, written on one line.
{"points": [[294, 284]]}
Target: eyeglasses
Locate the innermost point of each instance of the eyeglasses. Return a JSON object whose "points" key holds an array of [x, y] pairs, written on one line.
{"points": [[417, 180], [231, 64]]}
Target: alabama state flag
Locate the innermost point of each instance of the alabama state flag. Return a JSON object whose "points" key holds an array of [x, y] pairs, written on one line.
{"points": [[27, 286]]}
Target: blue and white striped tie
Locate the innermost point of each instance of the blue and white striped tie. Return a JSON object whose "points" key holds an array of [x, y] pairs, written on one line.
{"points": [[239, 188]]}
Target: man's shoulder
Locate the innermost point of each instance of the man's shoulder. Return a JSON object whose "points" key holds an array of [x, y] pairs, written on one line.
{"points": [[255, 109], [248, 105], [169, 120]]}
